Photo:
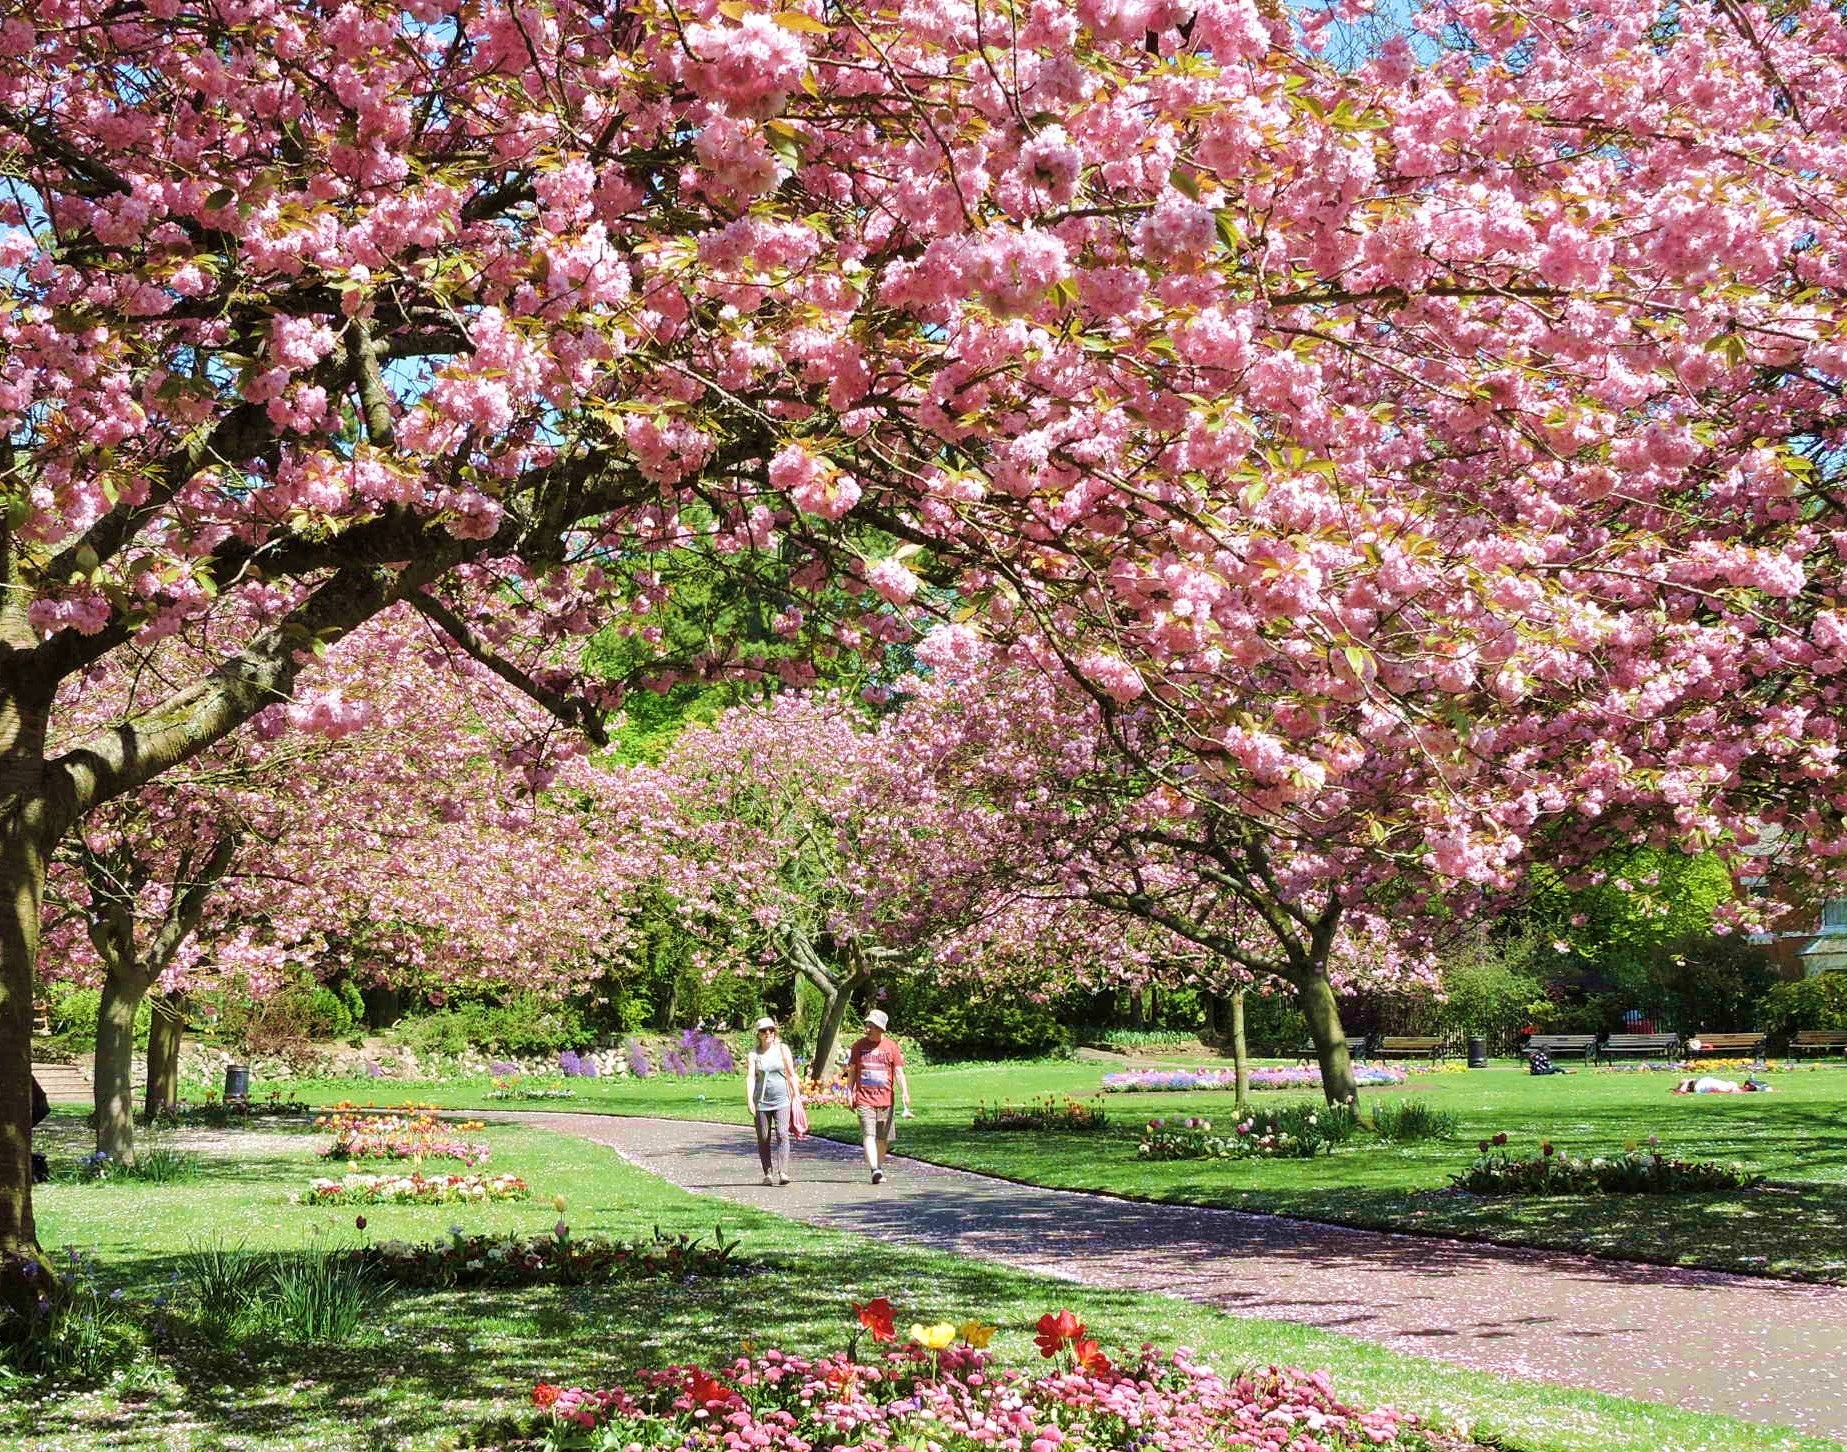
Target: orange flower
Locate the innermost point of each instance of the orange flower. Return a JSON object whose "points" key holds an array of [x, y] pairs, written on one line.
{"points": [[1089, 1356], [545, 1396], [877, 1317]]}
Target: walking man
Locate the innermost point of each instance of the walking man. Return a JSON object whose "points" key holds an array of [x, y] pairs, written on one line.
{"points": [[875, 1067]]}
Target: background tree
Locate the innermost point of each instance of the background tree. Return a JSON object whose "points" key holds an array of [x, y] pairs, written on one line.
{"points": [[388, 826]]}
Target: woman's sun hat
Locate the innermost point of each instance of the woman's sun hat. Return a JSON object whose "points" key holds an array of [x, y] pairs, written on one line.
{"points": [[765, 1023]]}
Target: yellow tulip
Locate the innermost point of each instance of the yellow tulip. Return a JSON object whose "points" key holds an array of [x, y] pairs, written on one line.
{"points": [[975, 1334], [934, 1337]]}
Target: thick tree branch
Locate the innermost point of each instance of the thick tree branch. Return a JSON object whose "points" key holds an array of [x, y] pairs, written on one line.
{"points": [[572, 711]]}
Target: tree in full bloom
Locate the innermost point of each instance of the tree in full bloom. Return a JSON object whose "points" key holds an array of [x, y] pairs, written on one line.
{"points": [[1491, 371], [388, 824]]}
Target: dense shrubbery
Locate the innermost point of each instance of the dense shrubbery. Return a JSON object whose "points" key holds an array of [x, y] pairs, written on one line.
{"points": [[1811, 1003], [523, 1025], [960, 1024], [298, 1014]]}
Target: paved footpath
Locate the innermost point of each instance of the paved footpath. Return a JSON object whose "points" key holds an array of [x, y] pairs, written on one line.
{"points": [[1768, 1351]]}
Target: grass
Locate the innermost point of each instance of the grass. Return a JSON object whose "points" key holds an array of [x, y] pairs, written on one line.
{"points": [[1795, 1226], [431, 1364]]}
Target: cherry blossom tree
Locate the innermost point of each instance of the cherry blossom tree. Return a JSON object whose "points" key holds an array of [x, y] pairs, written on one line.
{"points": [[1477, 398], [385, 825]]}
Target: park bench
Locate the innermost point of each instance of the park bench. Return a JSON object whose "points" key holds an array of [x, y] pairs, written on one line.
{"points": [[1726, 1046], [1356, 1050], [1819, 1041], [1559, 1046], [1648, 1046], [1409, 1048]]}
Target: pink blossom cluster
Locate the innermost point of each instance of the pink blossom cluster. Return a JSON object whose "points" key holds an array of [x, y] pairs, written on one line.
{"points": [[779, 1400]]}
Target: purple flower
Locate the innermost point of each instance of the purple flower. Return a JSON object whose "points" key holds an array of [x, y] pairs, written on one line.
{"points": [[638, 1064]]}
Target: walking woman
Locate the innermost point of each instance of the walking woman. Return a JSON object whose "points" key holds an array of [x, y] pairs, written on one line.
{"points": [[770, 1090]]}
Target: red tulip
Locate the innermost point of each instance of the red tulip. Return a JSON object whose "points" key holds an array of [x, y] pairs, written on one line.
{"points": [[877, 1317], [1055, 1331]]}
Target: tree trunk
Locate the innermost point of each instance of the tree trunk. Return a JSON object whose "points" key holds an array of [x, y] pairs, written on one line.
{"points": [[165, 1031], [1323, 1014], [836, 999], [22, 886], [1240, 1057], [123, 993]]}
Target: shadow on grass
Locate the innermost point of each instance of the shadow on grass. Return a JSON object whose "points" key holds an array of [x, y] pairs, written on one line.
{"points": [[437, 1362]]}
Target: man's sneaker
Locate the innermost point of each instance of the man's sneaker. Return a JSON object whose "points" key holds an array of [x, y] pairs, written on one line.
{"points": [[878, 1177], [783, 1181]]}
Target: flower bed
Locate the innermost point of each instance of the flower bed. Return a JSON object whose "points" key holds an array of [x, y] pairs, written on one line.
{"points": [[399, 1136], [1152, 1081], [1073, 1116], [1639, 1170], [1299, 1132], [412, 1189], [512, 1088], [557, 1259], [939, 1392], [1693, 1066], [833, 1094]]}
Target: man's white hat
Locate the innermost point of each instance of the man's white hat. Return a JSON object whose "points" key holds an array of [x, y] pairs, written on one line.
{"points": [[877, 1018]]}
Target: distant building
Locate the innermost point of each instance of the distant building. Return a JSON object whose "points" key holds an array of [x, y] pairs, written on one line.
{"points": [[1804, 952]]}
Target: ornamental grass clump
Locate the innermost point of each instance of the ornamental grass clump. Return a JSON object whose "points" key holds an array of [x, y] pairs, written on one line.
{"points": [[1410, 1121], [1639, 1170], [940, 1389], [1071, 1116], [73, 1328]]}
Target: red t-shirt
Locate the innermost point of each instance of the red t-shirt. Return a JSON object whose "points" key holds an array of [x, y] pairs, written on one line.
{"points": [[878, 1066]]}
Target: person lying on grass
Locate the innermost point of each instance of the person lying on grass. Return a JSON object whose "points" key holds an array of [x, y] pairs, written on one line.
{"points": [[1708, 1085]]}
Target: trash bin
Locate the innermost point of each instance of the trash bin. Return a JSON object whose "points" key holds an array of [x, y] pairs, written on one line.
{"points": [[236, 1081], [1478, 1052]]}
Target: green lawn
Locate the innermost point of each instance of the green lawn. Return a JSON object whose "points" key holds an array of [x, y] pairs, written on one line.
{"points": [[437, 1363], [1797, 1136]]}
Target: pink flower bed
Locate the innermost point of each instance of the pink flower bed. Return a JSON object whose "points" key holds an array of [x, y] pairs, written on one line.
{"points": [[957, 1396]]}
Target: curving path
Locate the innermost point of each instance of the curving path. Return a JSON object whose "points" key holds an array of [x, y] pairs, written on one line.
{"points": [[1768, 1351]]}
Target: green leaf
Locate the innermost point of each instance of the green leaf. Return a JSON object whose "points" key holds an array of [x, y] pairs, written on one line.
{"points": [[1184, 180], [223, 197], [1230, 233]]}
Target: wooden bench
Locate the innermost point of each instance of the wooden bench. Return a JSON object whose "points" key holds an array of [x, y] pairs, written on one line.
{"points": [[1560, 1046], [1726, 1046], [1819, 1041], [1409, 1048], [1356, 1050], [1649, 1046]]}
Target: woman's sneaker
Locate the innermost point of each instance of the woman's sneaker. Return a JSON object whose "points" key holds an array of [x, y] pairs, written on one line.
{"points": [[766, 1178]]}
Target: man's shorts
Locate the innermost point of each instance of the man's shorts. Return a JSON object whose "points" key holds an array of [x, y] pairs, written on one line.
{"points": [[879, 1123]]}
